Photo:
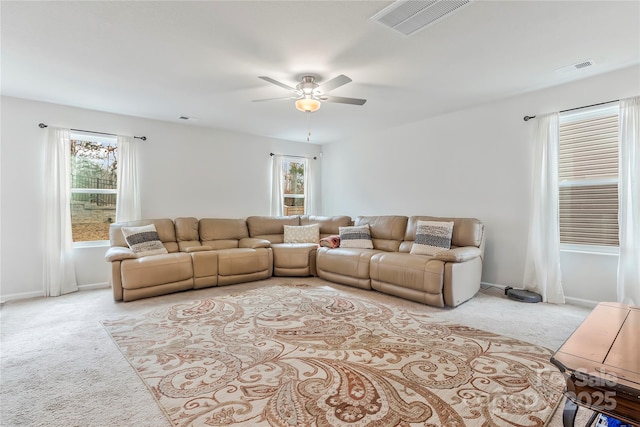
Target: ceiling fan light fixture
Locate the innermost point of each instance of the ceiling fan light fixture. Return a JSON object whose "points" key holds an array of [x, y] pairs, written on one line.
{"points": [[309, 95], [308, 105]]}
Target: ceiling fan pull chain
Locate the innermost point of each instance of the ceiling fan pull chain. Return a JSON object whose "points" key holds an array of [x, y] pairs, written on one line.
{"points": [[308, 126]]}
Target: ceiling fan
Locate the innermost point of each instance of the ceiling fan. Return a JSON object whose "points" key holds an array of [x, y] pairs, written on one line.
{"points": [[309, 95]]}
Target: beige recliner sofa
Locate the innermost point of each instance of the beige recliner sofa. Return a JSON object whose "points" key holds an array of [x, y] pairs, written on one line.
{"points": [[449, 278]]}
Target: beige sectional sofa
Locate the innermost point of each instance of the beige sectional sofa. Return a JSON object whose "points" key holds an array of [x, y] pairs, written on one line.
{"points": [[218, 251]]}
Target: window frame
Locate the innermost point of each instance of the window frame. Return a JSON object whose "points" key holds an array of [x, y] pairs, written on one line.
{"points": [[572, 116], [102, 139], [305, 163]]}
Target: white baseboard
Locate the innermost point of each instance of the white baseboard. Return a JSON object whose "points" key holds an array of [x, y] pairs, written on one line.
{"points": [[568, 300], [38, 294], [22, 295], [581, 302], [91, 286], [485, 285]]}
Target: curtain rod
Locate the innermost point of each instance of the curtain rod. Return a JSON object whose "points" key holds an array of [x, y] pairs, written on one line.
{"points": [[42, 126], [527, 118], [297, 157]]}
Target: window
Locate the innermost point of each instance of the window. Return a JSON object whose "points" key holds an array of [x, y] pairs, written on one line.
{"points": [[93, 186], [588, 176], [294, 185]]}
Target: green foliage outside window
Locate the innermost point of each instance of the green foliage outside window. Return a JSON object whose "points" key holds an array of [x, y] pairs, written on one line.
{"points": [[294, 178]]}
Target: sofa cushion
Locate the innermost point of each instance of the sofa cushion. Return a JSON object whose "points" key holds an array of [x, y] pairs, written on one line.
{"points": [[157, 270], [222, 233], [356, 237], [270, 227], [432, 237], [292, 256], [302, 233], [349, 266], [329, 225], [236, 262], [424, 274], [387, 231], [144, 240], [187, 234]]}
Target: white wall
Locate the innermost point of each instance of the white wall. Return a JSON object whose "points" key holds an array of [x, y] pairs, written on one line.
{"points": [[474, 163], [185, 171]]}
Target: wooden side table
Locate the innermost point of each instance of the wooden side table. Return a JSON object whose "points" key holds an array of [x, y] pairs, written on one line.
{"points": [[601, 364]]}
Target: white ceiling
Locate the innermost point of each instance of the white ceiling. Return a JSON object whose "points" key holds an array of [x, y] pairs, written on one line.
{"points": [[166, 59]]}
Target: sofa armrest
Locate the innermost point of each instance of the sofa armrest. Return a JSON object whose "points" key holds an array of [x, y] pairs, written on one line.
{"points": [[119, 253], [197, 249], [461, 254], [249, 242]]}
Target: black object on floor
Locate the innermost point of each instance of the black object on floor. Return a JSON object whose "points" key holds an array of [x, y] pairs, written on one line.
{"points": [[522, 295]]}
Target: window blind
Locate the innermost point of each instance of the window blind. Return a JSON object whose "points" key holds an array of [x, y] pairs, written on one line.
{"points": [[588, 176]]}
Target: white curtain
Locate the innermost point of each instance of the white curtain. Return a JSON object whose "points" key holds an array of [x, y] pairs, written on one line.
{"points": [[277, 190], [629, 202], [542, 265], [310, 196], [128, 199], [59, 273]]}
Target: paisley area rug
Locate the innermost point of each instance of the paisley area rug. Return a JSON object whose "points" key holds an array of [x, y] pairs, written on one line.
{"points": [[298, 355]]}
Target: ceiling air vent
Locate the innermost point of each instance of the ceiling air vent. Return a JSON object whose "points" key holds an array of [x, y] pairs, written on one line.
{"points": [[575, 67], [584, 64], [408, 16]]}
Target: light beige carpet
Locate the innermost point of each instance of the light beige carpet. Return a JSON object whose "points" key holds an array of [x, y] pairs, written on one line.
{"points": [[309, 355]]}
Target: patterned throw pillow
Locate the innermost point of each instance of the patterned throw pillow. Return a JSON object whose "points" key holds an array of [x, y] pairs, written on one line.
{"points": [[302, 233], [144, 240], [432, 237], [356, 237]]}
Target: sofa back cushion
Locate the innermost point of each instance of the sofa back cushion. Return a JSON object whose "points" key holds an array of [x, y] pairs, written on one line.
{"points": [[270, 228], [329, 225], [187, 234], [387, 231], [164, 226], [466, 231], [222, 233]]}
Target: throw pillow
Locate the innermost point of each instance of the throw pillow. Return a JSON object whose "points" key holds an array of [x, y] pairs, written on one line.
{"points": [[302, 233], [330, 241], [356, 237], [144, 240], [432, 237]]}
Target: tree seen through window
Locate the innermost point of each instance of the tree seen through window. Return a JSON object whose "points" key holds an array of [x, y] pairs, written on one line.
{"points": [[294, 187], [93, 187]]}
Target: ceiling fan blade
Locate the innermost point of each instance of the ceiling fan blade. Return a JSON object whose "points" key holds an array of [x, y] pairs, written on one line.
{"points": [[277, 83], [275, 99], [334, 83], [342, 100]]}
